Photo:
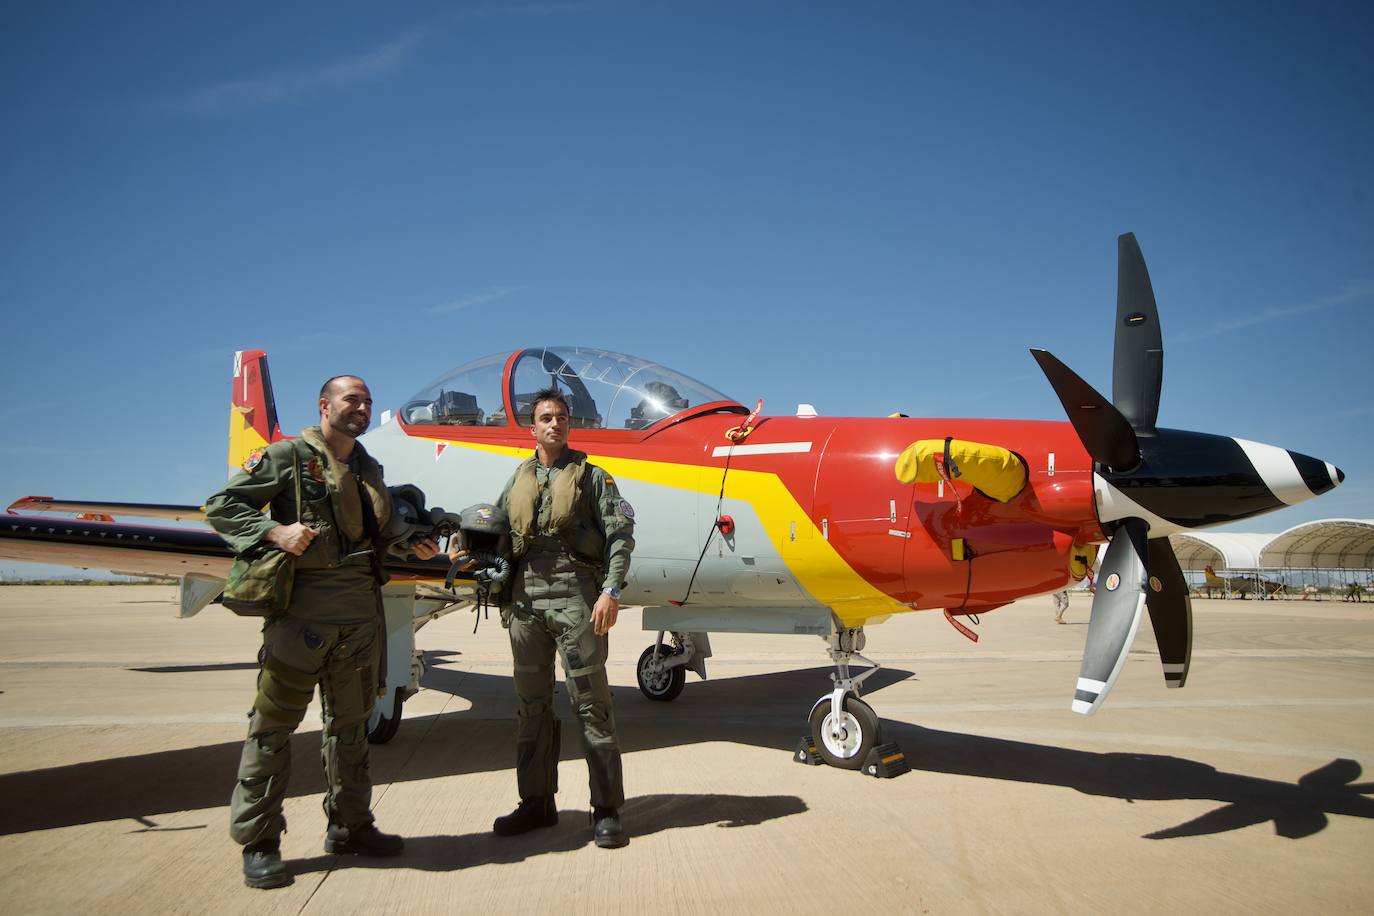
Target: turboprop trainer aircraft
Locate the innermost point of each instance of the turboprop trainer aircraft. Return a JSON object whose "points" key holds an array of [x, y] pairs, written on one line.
{"points": [[1237, 585], [790, 524]]}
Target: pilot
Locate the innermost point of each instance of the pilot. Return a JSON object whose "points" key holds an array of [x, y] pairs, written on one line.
{"points": [[330, 635], [572, 535]]}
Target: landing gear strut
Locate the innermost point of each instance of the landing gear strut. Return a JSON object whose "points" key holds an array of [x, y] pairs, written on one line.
{"points": [[844, 727], [845, 732]]}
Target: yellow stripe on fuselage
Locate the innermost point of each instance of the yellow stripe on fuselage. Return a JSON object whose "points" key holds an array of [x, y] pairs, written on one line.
{"points": [[810, 558]]}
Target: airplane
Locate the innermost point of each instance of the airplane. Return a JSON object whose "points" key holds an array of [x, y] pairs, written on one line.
{"points": [[797, 524], [1237, 585]]}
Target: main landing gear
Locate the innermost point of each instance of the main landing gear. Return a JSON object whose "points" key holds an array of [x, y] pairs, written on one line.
{"points": [[662, 668]]}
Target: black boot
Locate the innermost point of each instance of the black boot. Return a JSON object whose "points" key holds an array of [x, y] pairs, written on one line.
{"points": [[262, 865], [366, 840], [606, 829], [532, 814]]}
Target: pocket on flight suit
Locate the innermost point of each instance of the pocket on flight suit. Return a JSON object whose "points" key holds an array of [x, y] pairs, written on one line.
{"points": [[292, 657], [584, 657]]}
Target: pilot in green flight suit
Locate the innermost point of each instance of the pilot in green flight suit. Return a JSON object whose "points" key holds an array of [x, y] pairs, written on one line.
{"points": [[330, 635], [572, 535]]}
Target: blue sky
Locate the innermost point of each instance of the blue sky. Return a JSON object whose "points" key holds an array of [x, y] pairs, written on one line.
{"points": [[869, 207]]}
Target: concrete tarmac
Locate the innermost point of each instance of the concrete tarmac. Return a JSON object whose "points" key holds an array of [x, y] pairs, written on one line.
{"points": [[1245, 792]]}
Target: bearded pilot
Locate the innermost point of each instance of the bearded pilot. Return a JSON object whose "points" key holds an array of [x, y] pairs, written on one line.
{"points": [[328, 637]]}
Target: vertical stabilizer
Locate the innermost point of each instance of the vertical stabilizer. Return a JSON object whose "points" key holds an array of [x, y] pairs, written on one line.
{"points": [[252, 411]]}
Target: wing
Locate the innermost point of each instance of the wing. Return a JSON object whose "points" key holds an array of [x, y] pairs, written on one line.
{"points": [[144, 550], [165, 511], [137, 549]]}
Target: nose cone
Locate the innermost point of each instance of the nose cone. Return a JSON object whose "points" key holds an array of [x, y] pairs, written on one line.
{"points": [[1291, 476]]}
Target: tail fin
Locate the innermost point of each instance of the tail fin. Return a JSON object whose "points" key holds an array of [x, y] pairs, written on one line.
{"points": [[253, 412]]}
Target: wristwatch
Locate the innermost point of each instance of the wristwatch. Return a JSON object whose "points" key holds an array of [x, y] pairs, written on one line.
{"points": [[612, 591]]}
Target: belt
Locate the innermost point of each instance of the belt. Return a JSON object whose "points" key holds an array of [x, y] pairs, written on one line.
{"points": [[545, 544]]}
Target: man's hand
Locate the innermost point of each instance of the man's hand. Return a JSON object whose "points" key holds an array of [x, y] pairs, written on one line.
{"points": [[292, 538], [426, 549], [604, 614]]}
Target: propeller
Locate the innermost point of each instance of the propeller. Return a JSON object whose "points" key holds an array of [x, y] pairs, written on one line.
{"points": [[1120, 597], [1137, 571], [1138, 356]]}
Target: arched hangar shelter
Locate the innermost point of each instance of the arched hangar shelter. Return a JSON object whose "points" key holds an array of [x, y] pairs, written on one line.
{"points": [[1333, 543], [1331, 557], [1197, 550]]}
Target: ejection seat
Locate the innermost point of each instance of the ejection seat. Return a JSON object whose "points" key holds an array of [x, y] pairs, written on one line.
{"points": [[662, 400]]}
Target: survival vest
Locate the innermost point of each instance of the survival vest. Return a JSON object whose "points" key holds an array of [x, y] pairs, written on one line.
{"points": [[570, 518]]}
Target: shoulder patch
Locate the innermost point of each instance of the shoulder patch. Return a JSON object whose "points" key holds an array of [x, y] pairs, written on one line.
{"points": [[250, 464], [627, 510]]}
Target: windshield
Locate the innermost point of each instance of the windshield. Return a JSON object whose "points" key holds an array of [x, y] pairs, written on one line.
{"points": [[605, 390], [468, 396]]}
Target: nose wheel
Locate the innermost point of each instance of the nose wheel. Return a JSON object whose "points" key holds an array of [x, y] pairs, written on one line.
{"points": [[844, 729], [845, 740]]}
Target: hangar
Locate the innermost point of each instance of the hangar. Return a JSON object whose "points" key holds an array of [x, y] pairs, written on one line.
{"points": [[1327, 558]]}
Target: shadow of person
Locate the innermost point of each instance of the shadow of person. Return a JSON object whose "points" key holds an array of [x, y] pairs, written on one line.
{"points": [[643, 815]]}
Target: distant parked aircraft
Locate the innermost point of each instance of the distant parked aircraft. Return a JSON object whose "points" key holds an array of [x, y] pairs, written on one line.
{"points": [[1244, 586]]}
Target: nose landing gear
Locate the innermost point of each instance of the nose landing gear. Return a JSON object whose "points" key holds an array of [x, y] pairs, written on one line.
{"points": [[844, 741], [845, 731]]}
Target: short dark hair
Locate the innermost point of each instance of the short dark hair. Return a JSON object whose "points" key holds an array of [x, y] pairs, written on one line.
{"points": [[548, 394], [328, 387]]}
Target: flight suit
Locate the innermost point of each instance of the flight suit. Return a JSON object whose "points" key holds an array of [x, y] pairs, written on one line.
{"points": [[564, 556], [329, 637]]}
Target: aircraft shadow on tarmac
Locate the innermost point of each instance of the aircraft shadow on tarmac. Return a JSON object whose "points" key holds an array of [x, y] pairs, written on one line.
{"points": [[759, 710]]}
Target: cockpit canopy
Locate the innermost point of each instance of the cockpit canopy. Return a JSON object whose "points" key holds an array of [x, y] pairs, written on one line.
{"points": [[605, 390]]}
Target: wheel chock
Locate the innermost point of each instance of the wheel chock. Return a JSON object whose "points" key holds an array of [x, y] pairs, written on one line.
{"points": [[806, 753], [886, 761]]}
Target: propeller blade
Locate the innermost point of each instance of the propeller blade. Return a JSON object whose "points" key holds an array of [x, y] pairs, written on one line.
{"points": [[1138, 359], [1171, 611], [1105, 433], [1116, 611]]}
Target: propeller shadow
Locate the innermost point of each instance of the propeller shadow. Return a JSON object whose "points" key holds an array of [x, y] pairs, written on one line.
{"points": [[1297, 809]]}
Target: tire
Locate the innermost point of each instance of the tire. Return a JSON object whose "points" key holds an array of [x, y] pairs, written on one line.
{"points": [[859, 733], [663, 686], [380, 728]]}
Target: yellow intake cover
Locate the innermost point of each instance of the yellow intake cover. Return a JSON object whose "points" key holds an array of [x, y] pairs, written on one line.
{"points": [[994, 471]]}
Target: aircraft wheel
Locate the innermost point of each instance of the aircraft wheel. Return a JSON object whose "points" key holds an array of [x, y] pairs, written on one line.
{"points": [[845, 744], [380, 728], [662, 685]]}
